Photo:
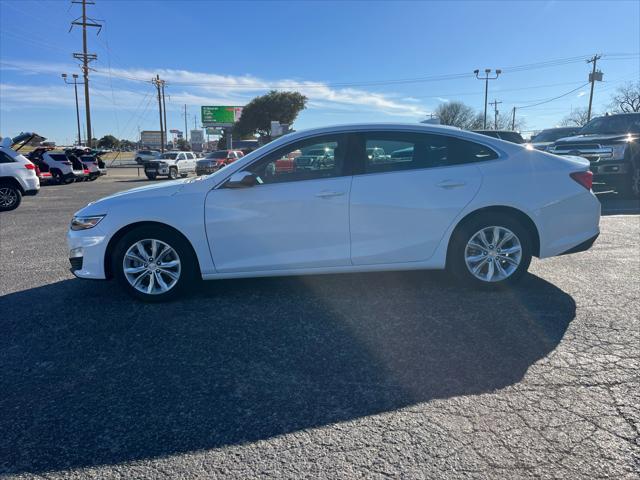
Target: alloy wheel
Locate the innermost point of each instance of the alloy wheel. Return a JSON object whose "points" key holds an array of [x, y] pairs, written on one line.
{"points": [[493, 254], [151, 266], [8, 197]]}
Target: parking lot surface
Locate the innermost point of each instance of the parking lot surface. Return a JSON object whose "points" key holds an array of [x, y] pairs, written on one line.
{"points": [[342, 376]]}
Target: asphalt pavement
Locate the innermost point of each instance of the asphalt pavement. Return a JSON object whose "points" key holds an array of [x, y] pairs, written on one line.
{"points": [[342, 376]]}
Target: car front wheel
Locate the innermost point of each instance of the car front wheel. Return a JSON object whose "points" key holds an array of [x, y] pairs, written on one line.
{"points": [[153, 264], [10, 197], [173, 173], [490, 252]]}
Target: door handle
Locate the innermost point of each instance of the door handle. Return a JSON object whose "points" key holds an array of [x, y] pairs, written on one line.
{"points": [[329, 194], [450, 184]]}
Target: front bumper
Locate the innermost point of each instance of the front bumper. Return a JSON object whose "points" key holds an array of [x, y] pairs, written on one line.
{"points": [[87, 250]]}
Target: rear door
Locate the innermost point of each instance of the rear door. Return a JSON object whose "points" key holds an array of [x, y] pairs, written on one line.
{"points": [[403, 200]]}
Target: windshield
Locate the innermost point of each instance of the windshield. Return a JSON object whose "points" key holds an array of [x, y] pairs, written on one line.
{"points": [[220, 154], [613, 124], [169, 156], [553, 135]]}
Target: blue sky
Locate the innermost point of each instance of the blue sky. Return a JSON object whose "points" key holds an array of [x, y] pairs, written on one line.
{"points": [[342, 55]]}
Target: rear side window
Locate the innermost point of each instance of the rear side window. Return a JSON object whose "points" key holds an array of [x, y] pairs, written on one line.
{"points": [[4, 158], [58, 157], [396, 151]]}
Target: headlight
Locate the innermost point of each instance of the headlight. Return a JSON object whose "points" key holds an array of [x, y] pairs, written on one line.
{"points": [[84, 223], [162, 164], [617, 151]]}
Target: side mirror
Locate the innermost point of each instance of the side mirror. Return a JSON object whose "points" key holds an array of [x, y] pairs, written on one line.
{"points": [[241, 180]]}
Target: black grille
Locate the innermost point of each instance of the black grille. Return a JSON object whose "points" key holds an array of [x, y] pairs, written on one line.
{"points": [[577, 146], [76, 263]]}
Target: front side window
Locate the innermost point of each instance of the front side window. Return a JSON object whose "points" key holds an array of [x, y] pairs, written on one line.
{"points": [[310, 159], [169, 156]]}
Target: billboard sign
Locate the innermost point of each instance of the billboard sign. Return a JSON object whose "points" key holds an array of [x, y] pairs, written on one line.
{"points": [[197, 136], [220, 115]]}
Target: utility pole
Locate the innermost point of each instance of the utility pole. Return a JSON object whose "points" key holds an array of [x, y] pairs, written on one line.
{"points": [[75, 86], [495, 104], [164, 113], [486, 79], [593, 76], [513, 119], [158, 84], [186, 138], [86, 58]]}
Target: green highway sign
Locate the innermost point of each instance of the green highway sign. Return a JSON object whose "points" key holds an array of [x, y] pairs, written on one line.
{"points": [[220, 115]]}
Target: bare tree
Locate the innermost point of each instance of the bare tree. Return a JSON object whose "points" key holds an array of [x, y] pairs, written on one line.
{"points": [[457, 114], [577, 117], [626, 99]]}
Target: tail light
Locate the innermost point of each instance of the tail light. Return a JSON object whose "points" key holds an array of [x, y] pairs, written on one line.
{"points": [[86, 171], [29, 166], [583, 178]]}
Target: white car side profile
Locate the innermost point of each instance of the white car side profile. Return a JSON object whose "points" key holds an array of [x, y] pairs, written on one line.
{"points": [[438, 197]]}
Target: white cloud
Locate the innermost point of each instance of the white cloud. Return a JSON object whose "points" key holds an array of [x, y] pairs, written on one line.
{"points": [[198, 88], [581, 94]]}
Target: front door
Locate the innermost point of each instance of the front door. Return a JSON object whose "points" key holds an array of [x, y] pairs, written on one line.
{"points": [[291, 219]]}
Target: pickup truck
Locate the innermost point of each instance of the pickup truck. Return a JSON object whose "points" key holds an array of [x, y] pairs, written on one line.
{"points": [[171, 164], [612, 146]]}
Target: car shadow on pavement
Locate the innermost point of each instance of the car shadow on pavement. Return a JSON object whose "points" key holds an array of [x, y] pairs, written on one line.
{"points": [[91, 377]]}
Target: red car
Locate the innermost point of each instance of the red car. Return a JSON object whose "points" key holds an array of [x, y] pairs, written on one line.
{"points": [[216, 160]]}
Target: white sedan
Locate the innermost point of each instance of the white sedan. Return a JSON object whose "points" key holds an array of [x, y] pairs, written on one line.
{"points": [[438, 197]]}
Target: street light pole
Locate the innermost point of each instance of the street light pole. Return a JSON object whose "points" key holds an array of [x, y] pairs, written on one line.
{"points": [[75, 86], [486, 79]]}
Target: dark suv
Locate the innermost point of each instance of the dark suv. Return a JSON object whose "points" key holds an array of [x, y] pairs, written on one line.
{"points": [[612, 146]]}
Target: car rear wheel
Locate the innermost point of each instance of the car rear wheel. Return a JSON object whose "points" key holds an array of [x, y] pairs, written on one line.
{"points": [[154, 264], [10, 197], [490, 251]]}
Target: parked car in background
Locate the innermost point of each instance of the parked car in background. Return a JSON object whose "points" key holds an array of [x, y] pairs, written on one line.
{"points": [[64, 169], [612, 146], [506, 135], [142, 156], [171, 165], [216, 160], [42, 169], [17, 176], [314, 159], [545, 138], [454, 199]]}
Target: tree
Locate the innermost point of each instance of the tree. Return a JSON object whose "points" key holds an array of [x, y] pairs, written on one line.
{"points": [[577, 117], [108, 141], [626, 99], [275, 106], [126, 145], [457, 114], [183, 145]]}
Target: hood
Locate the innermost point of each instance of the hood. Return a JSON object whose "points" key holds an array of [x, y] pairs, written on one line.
{"points": [[596, 138], [164, 189]]}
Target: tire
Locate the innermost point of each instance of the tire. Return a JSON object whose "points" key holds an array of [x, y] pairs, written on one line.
{"points": [[151, 176], [10, 197], [91, 179], [630, 186], [151, 276], [139, 161], [512, 259], [173, 173], [56, 176]]}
